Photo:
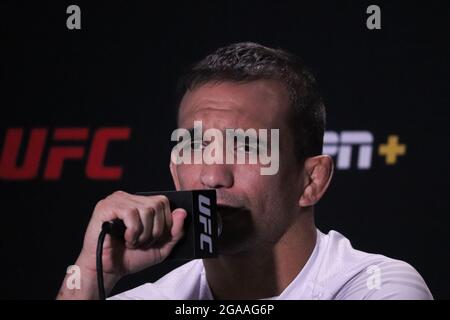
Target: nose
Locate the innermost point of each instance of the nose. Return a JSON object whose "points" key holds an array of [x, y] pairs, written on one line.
{"points": [[217, 176]]}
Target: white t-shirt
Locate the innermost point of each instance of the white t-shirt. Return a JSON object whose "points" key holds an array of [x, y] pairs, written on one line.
{"points": [[333, 271]]}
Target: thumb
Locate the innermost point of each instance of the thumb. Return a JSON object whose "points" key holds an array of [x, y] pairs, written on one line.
{"points": [[178, 217]]}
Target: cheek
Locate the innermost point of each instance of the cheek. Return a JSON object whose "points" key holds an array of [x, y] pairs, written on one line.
{"points": [[268, 194], [247, 174], [189, 176], [258, 188]]}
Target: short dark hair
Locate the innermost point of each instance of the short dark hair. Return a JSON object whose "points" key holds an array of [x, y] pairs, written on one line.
{"points": [[248, 61]]}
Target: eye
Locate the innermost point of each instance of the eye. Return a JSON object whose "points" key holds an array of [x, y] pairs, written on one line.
{"points": [[247, 148]]}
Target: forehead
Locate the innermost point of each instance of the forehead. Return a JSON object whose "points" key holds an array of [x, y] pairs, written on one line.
{"points": [[256, 104]]}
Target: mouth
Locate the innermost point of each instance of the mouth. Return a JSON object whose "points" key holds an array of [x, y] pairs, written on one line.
{"points": [[235, 226], [231, 213], [226, 209]]}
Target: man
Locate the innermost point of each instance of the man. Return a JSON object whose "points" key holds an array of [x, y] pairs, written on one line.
{"points": [[270, 246]]}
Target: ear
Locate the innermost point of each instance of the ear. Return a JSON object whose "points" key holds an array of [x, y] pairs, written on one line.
{"points": [[317, 173], [174, 172]]}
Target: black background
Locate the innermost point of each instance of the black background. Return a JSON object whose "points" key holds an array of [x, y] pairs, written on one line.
{"points": [[120, 70]]}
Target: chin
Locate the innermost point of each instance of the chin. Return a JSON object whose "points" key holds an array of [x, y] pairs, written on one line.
{"points": [[236, 246]]}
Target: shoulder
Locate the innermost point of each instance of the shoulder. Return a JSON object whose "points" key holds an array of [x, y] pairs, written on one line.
{"points": [[347, 273], [387, 279], [182, 283]]}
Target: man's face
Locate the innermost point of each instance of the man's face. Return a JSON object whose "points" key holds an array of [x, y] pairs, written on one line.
{"points": [[255, 209]]}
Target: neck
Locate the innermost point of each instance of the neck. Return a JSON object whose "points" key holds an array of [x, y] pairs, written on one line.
{"points": [[263, 272]]}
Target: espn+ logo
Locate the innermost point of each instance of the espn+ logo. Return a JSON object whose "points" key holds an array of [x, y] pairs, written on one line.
{"points": [[342, 145]]}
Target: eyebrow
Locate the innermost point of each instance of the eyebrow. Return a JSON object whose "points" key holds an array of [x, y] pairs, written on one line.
{"points": [[191, 132], [238, 135]]}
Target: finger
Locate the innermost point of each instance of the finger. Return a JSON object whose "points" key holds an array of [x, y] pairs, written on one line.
{"points": [[177, 231], [167, 214], [147, 217], [154, 216], [134, 228], [159, 221]]}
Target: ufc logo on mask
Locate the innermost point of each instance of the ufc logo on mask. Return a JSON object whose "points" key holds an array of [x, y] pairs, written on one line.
{"points": [[205, 220]]}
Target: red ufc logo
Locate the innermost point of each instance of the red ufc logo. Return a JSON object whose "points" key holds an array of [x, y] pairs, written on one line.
{"points": [[58, 154]]}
